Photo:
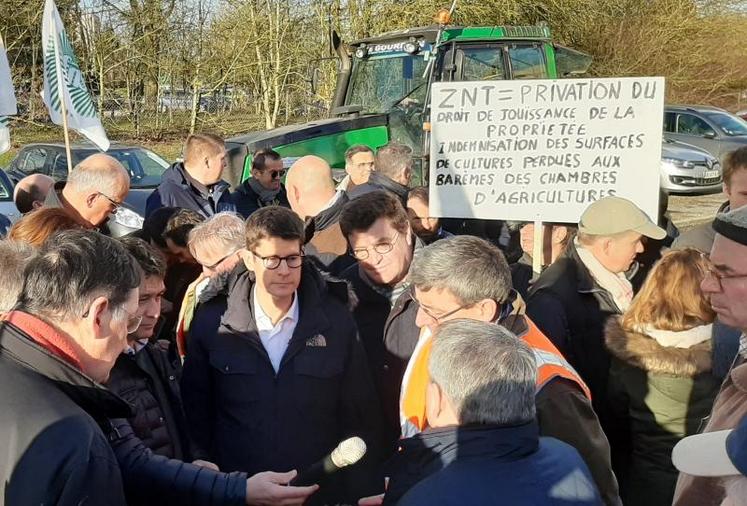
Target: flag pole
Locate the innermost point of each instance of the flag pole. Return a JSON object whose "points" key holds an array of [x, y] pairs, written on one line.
{"points": [[60, 92]]}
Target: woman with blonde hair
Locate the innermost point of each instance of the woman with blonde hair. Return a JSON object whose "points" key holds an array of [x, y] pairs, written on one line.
{"points": [[660, 384], [37, 226]]}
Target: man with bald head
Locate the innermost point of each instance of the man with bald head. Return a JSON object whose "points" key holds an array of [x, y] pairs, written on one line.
{"points": [[312, 196], [94, 189], [31, 192]]}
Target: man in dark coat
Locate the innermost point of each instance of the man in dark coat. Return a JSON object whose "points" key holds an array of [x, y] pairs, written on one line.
{"points": [[393, 172], [312, 196], [572, 299], [264, 188], [276, 376], [379, 233], [196, 183], [56, 349], [152, 445], [482, 445]]}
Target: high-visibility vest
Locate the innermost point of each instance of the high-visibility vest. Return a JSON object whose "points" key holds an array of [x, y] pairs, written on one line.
{"points": [[550, 364]]}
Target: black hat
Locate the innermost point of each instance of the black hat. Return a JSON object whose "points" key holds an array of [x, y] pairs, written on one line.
{"points": [[732, 225]]}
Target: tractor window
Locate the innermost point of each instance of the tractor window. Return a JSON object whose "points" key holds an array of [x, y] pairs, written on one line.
{"points": [[527, 62], [482, 64], [378, 83]]}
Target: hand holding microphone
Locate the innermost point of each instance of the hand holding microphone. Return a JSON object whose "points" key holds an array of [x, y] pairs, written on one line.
{"points": [[346, 454]]}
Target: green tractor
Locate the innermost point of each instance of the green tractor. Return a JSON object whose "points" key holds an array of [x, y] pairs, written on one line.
{"points": [[383, 89]]}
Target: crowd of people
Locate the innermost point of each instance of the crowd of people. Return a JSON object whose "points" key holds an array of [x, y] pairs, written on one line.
{"points": [[224, 350]]}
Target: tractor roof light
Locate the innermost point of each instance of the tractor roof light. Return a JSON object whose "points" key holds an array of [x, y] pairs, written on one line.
{"points": [[362, 51], [443, 17], [411, 46]]}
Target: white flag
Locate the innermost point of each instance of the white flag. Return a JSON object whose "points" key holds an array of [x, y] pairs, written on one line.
{"points": [[7, 99], [63, 80]]}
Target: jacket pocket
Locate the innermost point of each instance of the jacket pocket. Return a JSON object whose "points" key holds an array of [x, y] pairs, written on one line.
{"points": [[236, 378], [318, 376]]}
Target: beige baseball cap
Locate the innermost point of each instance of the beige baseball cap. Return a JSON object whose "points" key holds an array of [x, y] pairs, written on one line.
{"points": [[614, 215]]}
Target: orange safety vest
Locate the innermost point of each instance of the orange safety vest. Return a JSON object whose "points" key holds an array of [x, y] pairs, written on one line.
{"points": [[550, 364]]}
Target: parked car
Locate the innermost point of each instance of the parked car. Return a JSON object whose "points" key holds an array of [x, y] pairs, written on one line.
{"points": [[715, 130], [7, 207], [687, 169], [144, 166]]}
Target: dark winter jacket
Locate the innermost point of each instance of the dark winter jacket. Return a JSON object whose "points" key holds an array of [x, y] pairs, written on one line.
{"points": [[571, 309], [389, 335], [52, 447], [378, 181], [324, 239], [176, 190], [245, 416], [481, 465], [247, 200], [151, 479], [149, 382], [659, 395]]}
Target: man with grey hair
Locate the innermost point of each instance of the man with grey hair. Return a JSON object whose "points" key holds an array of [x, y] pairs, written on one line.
{"points": [[57, 347], [482, 431], [393, 172], [468, 277], [216, 245], [14, 255], [95, 189], [573, 298]]}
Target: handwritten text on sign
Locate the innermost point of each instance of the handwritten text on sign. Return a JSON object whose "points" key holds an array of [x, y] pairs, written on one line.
{"points": [[544, 150]]}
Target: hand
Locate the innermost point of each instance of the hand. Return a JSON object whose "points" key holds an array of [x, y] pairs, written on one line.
{"points": [[374, 500], [206, 464], [269, 489]]}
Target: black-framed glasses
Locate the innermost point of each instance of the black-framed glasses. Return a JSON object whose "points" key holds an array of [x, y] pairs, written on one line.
{"points": [[382, 248], [272, 262], [113, 202], [277, 174], [720, 276]]}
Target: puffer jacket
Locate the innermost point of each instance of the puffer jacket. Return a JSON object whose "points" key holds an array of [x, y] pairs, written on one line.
{"points": [[149, 382], [658, 394]]}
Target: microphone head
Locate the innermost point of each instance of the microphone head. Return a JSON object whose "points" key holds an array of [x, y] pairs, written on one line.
{"points": [[348, 452]]}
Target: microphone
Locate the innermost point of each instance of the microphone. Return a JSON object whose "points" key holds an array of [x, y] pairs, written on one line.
{"points": [[346, 454]]}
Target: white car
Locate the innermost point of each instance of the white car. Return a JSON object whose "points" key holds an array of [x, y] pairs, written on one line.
{"points": [[687, 169]]}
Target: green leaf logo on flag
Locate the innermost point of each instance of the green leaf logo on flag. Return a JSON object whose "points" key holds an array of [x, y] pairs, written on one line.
{"points": [[72, 78]]}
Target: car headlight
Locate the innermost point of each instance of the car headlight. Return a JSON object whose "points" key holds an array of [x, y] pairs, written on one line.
{"points": [[682, 164], [128, 218]]}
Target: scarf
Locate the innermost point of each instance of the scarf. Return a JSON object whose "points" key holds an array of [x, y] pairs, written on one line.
{"points": [[616, 285], [681, 339], [46, 336], [266, 197]]}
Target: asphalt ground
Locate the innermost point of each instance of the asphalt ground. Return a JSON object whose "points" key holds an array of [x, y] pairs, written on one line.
{"points": [[687, 211]]}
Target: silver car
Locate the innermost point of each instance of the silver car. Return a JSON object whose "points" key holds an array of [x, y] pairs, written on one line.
{"points": [[686, 169], [715, 130]]}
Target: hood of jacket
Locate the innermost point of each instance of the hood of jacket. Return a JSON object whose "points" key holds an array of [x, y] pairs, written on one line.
{"points": [[644, 352], [383, 182]]}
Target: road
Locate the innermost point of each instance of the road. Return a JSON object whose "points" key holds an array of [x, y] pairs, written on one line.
{"points": [[688, 211]]}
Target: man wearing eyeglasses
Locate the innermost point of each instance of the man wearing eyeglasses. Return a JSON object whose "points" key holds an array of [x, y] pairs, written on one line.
{"points": [[57, 348], [381, 240], [94, 190], [264, 188], [725, 285], [468, 277], [275, 376]]}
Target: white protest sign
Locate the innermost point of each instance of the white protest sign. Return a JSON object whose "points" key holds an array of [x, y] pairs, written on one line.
{"points": [[544, 149]]}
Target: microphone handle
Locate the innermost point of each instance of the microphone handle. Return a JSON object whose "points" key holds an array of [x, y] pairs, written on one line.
{"points": [[315, 474]]}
